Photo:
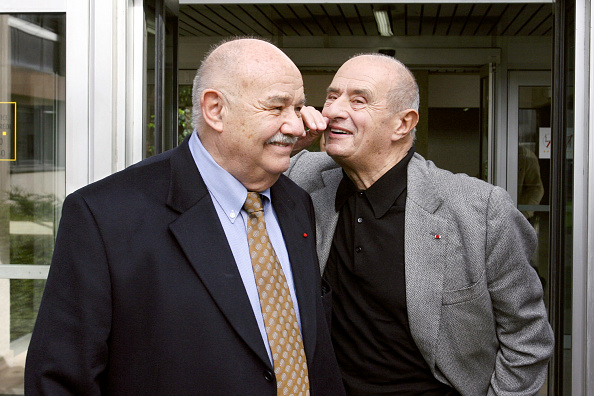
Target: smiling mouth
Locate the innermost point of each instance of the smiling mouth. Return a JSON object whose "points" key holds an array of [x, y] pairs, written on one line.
{"points": [[279, 144], [339, 132]]}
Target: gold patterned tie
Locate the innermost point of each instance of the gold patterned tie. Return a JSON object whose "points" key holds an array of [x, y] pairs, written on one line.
{"points": [[282, 329]]}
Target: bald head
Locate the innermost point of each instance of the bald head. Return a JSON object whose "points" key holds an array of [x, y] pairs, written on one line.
{"points": [[233, 66], [247, 101], [403, 92], [371, 107]]}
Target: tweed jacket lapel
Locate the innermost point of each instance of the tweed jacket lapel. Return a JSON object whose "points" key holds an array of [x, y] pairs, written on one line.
{"points": [[427, 232], [326, 215]]}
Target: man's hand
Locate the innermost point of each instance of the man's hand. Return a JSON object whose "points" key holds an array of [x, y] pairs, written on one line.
{"points": [[315, 124]]}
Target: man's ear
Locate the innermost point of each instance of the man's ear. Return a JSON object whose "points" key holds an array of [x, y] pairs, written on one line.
{"points": [[407, 123], [212, 106]]}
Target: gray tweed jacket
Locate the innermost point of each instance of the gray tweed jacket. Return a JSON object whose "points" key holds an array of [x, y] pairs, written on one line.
{"points": [[475, 305]]}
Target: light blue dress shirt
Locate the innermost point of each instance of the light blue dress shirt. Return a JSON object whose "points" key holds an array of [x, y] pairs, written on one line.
{"points": [[228, 196]]}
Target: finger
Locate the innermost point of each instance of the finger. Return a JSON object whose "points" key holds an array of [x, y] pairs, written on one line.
{"points": [[313, 119]]}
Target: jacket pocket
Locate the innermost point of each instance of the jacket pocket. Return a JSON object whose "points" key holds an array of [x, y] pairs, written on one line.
{"points": [[468, 293]]}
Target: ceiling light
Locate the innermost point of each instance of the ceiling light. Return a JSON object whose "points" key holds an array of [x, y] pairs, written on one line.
{"points": [[382, 18]]}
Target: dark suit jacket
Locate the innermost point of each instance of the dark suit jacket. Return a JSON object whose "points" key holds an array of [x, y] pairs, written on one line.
{"points": [[144, 296]]}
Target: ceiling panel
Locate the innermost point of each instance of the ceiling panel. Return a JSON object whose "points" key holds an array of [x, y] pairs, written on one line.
{"points": [[448, 19]]}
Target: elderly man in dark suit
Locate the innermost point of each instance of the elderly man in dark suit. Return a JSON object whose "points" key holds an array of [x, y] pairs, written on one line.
{"points": [[154, 288], [433, 293]]}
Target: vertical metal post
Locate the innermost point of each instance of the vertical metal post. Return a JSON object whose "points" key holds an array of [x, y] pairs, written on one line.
{"points": [[557, 262]]}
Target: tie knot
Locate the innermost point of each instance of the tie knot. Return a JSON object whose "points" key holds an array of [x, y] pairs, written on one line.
{"points": [[253, 203]]}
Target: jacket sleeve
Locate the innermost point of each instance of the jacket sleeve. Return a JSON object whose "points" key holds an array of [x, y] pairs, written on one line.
{"points": [[68, 351], [524, 334]]}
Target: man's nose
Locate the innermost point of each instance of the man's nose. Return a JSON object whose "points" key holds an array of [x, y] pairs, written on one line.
{"points": [[293, 125], [336, 109]]}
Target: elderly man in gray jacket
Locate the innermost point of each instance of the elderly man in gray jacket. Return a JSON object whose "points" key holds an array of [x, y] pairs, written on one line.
{"points": [[433, 290]]}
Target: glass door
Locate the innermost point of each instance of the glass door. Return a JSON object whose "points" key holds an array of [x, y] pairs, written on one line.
{"points": [[32, 174], [160, 63], [529, 161], [529, 154]]}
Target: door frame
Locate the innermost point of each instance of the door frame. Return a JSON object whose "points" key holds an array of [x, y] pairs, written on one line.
{"points": [[517, 79]]}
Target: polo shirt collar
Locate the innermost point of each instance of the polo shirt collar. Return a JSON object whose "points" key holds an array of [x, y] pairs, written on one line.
{"points": [[383, 193]]}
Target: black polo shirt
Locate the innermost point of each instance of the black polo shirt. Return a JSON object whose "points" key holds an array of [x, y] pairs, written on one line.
{"points": [[370, 329]]}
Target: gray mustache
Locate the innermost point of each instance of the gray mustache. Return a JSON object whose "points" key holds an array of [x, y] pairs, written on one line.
{"points": [[282, 138]]}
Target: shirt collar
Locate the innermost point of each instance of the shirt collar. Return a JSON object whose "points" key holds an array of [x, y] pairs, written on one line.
{"points": [[383, 193], [225, 189]]}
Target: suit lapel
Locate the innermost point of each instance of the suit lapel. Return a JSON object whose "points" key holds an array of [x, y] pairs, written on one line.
{"points": [[425, 248], [294, 224], [202, 238], [326, 215]]}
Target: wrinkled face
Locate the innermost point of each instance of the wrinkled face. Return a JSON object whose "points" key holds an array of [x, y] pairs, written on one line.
{"points": [[361, 121], [263, 123]]}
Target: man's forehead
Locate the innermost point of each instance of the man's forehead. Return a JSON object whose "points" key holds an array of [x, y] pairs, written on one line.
{"points": [[284, 92], [365, 70], [355, 77], [286, 97], [353, 85], [275, 87]]}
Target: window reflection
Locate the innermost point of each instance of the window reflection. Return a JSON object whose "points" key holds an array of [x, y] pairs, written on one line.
{"points": [[32, 184], [534, 116]]}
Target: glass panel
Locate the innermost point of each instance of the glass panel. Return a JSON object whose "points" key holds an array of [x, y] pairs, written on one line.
{"points": [[32, 184], [149, 62], [454, 129], [455, 139], [170, 104], [161, 109], [484, 121], [534, 153], [534, 135], [184, 121]]}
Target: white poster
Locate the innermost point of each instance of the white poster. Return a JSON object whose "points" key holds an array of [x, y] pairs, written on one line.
{"points": [[544, 143]]}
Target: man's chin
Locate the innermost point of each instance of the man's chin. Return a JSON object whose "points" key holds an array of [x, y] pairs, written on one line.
{"points": [[334, 151], [278, 167]]}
